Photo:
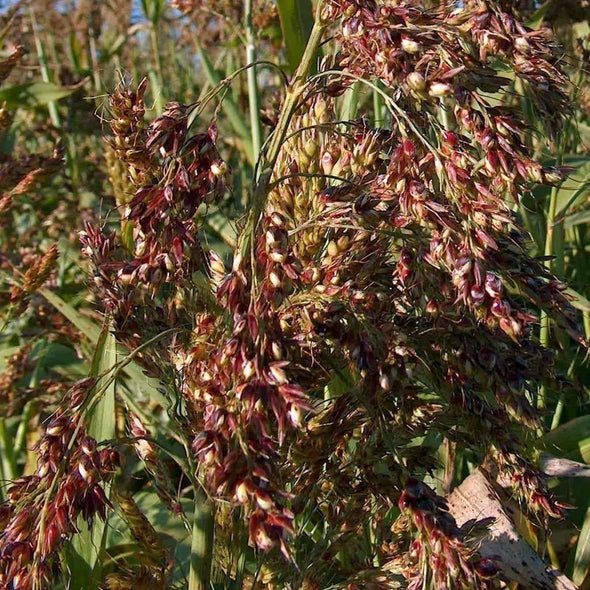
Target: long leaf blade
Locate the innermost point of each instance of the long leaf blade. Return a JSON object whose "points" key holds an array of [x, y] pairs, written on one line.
{"points": [[582, 556], [296, 22], [84, 557], [33, 95]]}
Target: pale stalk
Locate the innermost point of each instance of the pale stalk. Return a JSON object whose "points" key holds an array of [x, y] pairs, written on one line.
{"points": [[253, 94]]}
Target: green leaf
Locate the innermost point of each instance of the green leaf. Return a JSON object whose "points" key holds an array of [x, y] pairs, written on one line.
{"points": [[76, 54], [170, 528], [575, 188], [570, 440], [536, 19], [5, 354], [33, 95], [113, 47], [86, 327], [579, 218], [153, 9], [578, 301], [202, 543], [582, 556], [85, 553], [350, 101], [296, 22], [101, 419], [146, 385], [229, 106]]}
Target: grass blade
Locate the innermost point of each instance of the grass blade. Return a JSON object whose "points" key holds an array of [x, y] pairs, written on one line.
{"points": [[570, 440], [296, 22], [202, 543], [582, 556], [91, 331], [84, 555]]}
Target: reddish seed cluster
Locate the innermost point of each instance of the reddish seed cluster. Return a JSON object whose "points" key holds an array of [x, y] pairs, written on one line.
{"points": [[42, 509], [179, 173], [519, 473], [388, 258], [438, 558], [245, 394]]}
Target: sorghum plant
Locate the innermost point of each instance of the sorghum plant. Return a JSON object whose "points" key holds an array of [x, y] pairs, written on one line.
{"points": [[380, 299], [42, 509]]}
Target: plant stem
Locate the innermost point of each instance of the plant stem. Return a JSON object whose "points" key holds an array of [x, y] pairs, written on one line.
{"points": [[52, 106], [202, 542], [378, 105], [293, 94], [6, 455], [21, 432], [157, 77], [253, 94], [350, 102], [95, 66], [545, 321], [54, 115], [558, 412], [550, 244]]}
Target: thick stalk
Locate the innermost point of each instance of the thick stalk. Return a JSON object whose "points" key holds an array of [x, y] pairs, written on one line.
{"points": [[544, 335], [294, 93], [253, 94], [378, 105]]}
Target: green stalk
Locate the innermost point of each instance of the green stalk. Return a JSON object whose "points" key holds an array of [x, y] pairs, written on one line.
{"points": [[544, 334], [21, 432], [349, 107], [94, 58], [294, 93], [52, 106], [553, 247], [202, 542], [378, 108], [157, 76], [7, 461], [553, 226], [253, 94]]}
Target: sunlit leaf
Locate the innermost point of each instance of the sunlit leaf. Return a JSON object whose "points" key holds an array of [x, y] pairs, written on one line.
{"points": [[33, 95], [296, 23], [84, 557], [582, 556], [570, 440]]}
